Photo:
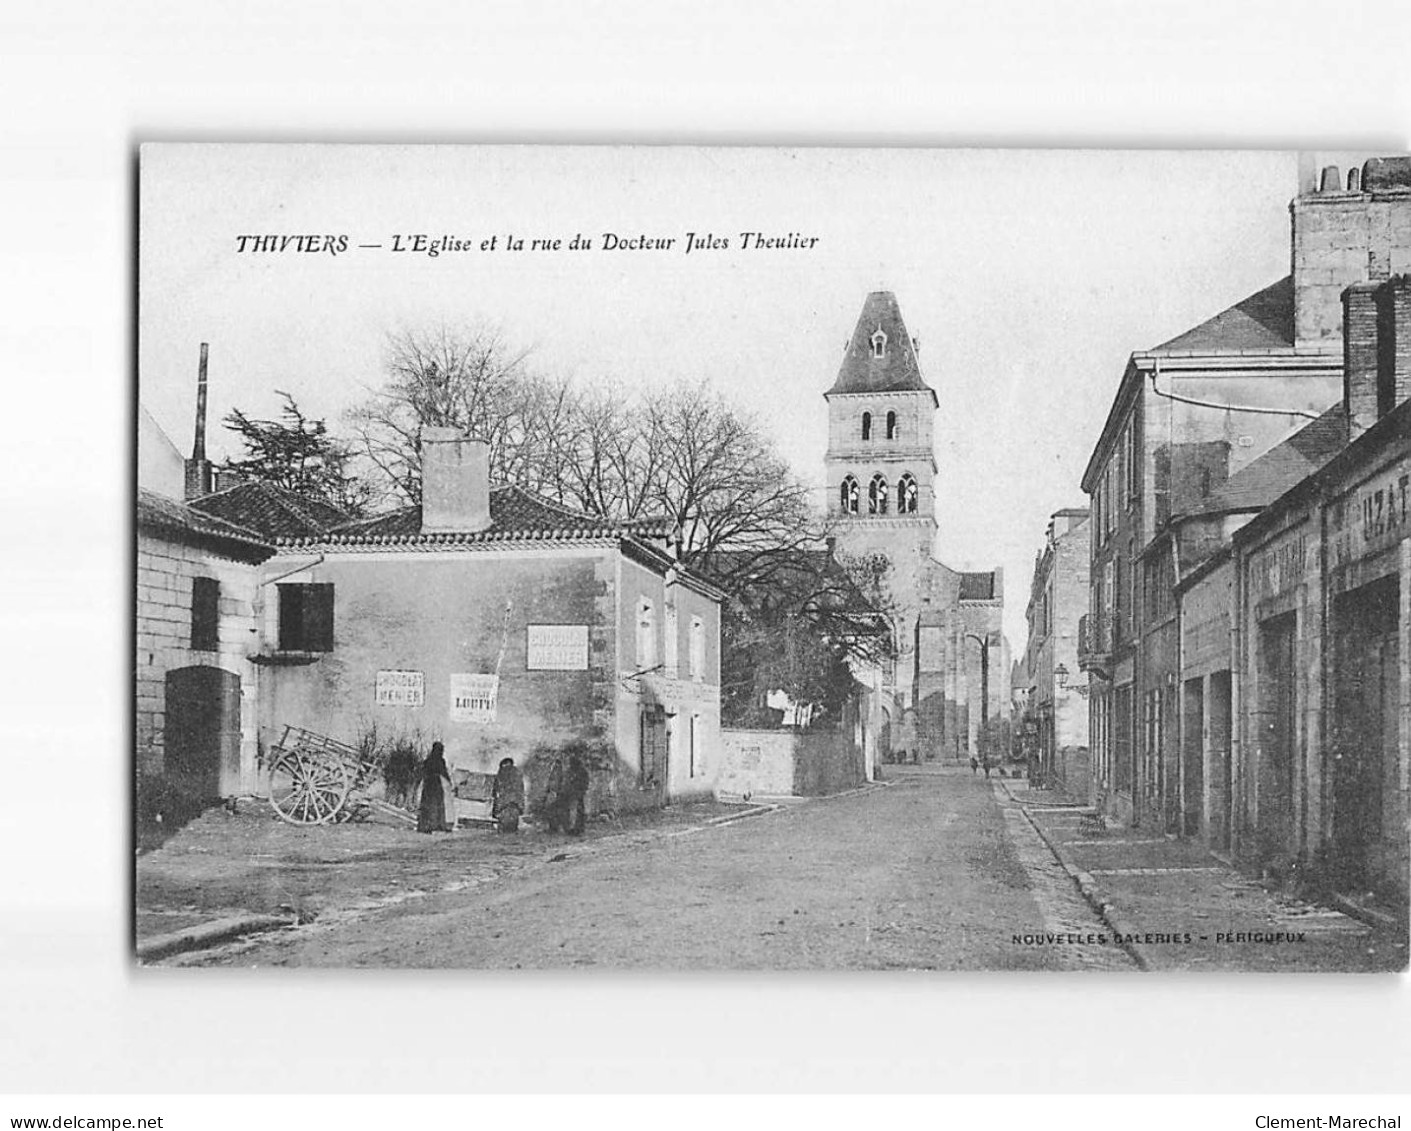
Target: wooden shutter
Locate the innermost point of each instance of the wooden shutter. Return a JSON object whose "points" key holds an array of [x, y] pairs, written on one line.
{"points": [[205, 614], [318, 618]]}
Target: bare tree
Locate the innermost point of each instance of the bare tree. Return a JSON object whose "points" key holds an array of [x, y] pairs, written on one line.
{"points": [[722, 482], [470, 379], [684, 454]]}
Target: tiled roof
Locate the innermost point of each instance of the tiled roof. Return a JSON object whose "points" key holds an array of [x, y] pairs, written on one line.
{"points": [[515, 515], [159, 514], [1259, 484], [897, 370], [271, 511], [1262, 321], [977, 586]]}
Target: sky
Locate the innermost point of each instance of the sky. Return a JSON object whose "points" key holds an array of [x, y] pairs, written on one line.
{"points": [[1027, 275]]}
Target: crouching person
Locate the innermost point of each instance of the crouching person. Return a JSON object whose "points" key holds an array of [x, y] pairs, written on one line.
{"points": [[507, 797]]}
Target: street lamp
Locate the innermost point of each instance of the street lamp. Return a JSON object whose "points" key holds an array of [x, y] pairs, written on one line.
{"points": [[984, 642]]}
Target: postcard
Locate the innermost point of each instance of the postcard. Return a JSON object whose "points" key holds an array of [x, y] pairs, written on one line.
{"points": [[681, 558]]}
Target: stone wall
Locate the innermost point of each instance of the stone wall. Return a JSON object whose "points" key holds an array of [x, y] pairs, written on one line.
{"points": [[449, 615], [826, 762], [756, 763], [783, 763], [165, 570], [1341, 237]]}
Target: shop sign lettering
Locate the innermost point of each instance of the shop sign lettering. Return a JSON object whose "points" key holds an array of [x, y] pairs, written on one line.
{"points": [[557, 647], [1383, 511], [473, 697], [400, 689], [1278, 568]]}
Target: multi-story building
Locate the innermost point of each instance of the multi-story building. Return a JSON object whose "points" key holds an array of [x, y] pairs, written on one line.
{"points": [[1322, 598], [1189, 415], [1056, 707]]}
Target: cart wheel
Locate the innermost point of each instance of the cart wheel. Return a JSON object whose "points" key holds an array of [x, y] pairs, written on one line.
{"points": [[307, 789]]}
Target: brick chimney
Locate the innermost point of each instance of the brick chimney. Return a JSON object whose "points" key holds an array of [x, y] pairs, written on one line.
{"points": [[1376, 350], [1393, 343], [1359, 357], [455, 482]]}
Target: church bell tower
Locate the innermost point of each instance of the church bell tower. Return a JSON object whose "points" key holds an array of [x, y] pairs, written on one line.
{"points": [[881, 466]]}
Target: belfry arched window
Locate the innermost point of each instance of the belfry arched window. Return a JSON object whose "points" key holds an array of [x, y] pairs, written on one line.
{"points": [[877, 495], [906, 494], [879, 343], [893, 429], [847, 496], [867, 426]]}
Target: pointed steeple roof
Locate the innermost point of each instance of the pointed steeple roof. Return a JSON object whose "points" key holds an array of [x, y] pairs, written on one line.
{"points": [[881, 357]]}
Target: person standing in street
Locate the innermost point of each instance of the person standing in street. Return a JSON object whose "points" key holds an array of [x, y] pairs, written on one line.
{"points": [[435, 781], [574, 795]]}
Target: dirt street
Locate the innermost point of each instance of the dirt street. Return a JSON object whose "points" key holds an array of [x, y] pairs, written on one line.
{"points": [[930, 872]]}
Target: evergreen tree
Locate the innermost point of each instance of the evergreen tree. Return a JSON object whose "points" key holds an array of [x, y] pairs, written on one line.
{"points": [[297, 453]]}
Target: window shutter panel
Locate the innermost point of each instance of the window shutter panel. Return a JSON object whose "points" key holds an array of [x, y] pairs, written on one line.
{"points": [[318, 618], [291, 617], [205, 614]]}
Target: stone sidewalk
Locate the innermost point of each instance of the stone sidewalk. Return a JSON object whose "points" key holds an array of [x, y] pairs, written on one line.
{"points": [[1177, 907]]}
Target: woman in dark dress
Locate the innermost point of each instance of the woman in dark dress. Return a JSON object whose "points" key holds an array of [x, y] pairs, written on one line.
{"points": [[435, 777]]}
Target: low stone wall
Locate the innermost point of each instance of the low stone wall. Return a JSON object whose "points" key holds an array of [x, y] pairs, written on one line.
{"points": [[826, 762], [785, 763], [756, 762]]}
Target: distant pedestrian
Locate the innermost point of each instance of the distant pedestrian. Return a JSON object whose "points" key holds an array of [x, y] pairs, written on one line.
{"points": [[974, 764], [435, 782], [575, 793], [985, 762]]}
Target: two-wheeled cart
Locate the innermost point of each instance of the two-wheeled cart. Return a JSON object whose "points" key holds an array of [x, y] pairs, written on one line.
{"points": [[317, 780]]}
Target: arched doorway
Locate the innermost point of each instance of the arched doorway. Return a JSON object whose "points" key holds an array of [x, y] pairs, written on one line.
{"points": [[202, 732]]}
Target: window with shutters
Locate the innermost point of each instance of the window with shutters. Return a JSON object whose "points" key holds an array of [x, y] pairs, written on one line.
{"points": [[205, 614], [306, 618], [652, 739]]}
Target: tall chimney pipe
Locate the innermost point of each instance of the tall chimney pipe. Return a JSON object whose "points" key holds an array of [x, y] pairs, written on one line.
{"points": [[198, 448]]}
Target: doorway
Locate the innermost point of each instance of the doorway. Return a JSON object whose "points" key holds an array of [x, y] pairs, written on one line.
{"points": [[655, 746], [1221, 771], [1274, 814], [1193, 758], [1364, 764], [202, 732]]}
